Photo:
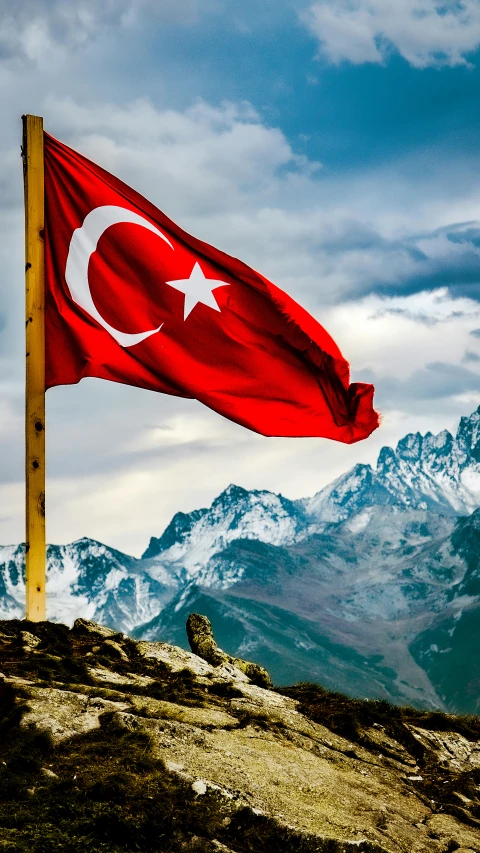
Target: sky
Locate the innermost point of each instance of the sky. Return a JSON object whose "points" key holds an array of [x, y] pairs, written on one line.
{"points": [[333, 145]]}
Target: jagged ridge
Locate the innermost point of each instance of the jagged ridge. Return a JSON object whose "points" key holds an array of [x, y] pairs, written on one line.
{"points": [[376, 549]]}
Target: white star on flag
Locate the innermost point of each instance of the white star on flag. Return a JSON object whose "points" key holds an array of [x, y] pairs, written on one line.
{"points": [[197, 289]]}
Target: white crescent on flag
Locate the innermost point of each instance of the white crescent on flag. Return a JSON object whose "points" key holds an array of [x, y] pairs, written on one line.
{"points": [[82, 245]]}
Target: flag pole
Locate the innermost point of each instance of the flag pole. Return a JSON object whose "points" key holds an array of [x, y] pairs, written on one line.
{"points": [[35, 543]]}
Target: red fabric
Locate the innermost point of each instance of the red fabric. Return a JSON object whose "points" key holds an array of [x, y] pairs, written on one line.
{"points": [[261, 360]]}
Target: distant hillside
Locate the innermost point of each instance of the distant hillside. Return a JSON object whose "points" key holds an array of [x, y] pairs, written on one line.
{"points": [[372, 586]]}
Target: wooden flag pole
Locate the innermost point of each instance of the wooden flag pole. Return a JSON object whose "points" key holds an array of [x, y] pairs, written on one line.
{"points": [[35, 543]]}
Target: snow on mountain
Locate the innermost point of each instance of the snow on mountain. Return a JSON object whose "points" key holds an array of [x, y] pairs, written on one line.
{"points": [[188, 543], [345, 605], [12, 581], [441, 473], [356, 587], [85, 579], [438, 472], [358, 488]]}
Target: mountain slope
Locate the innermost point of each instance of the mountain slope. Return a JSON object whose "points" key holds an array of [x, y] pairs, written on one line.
{"points": [[112, 746], [438, 472], [449, 648], [339, 606], [85, 579], [190, 540], [371, 586]]}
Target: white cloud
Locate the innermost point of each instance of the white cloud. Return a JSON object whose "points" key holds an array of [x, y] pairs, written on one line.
{"points": [[199, 160], [424, 32], [121, 460], [396, 335], [46, 31], [236, 182]]}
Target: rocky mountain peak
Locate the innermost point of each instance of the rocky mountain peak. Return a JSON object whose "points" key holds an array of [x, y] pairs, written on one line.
{"points": [[410, 446], [191, 540], [431, 471], [386, 458], [377, 548], [417, 449], [178, 529], [468, 435], [232, 494], [441, 444], [423, 471]]}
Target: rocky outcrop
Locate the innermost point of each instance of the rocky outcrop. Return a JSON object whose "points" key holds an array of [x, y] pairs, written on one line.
{"points": [[109, 745], [202, 643]]}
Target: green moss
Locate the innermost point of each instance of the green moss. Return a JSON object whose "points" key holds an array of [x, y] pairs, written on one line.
{"points": [[65, 657], [224, 690], [111, 793], [258, 719], [352, 718], [53, 659], [349, 717], [255, 833]]}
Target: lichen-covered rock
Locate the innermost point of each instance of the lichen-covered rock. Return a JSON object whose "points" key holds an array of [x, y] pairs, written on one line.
{"points": [[84, 626], [256, 673], [114, 753], [115, 649], [202, 643], [29, 640]]}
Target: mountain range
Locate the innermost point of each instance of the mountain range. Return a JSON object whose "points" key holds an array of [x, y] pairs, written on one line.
{"points": [[371, 586]]}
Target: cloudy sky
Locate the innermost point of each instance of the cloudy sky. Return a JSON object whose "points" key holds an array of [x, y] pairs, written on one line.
{"points": [[333, 145]]}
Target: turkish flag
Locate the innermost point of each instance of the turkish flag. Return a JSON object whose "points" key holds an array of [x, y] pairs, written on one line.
{"points": [[133, 298]]}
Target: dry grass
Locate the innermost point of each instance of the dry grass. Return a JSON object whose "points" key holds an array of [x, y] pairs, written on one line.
{"points": [[353, 718], [111, 795]]}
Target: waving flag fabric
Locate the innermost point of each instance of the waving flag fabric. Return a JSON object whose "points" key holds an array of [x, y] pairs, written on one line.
{"points": [[133, 298]]}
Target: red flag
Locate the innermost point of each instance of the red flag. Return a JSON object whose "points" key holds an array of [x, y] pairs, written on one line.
{"points": [[132, 298]]}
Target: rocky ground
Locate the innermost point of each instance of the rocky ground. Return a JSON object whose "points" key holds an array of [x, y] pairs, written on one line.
{"points": [[110, 745]]}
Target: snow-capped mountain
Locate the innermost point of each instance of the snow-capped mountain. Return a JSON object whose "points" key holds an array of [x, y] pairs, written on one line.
{"points": [[343, 606], [185, 549], [372, 586], [85, 579], [441, 473], [438, 472]]}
